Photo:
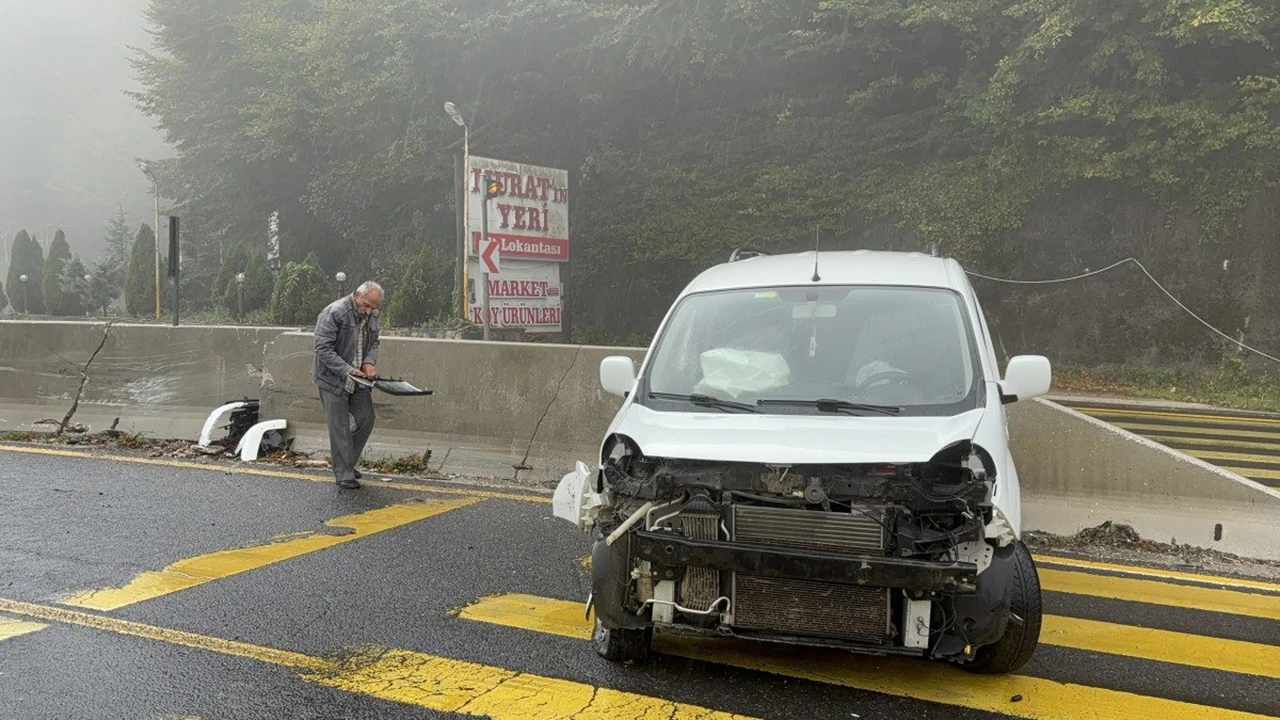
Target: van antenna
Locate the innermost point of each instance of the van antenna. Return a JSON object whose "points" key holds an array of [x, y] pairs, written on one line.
{"points": [[817, 241]]}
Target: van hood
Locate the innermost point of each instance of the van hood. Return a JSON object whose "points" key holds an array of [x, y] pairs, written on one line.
{"points": [[794, 439]]}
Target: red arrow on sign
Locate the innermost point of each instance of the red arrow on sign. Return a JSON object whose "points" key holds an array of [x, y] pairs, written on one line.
{"points": [[492, 257]]}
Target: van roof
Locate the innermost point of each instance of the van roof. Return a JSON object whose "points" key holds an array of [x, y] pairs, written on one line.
{"points": [[843, 267]]}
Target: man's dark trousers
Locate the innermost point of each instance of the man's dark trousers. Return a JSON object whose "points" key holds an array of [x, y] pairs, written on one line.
{"points": [[347, 443]]}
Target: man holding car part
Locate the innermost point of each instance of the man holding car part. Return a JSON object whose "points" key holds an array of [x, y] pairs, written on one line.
{"points": [[345, 364]]}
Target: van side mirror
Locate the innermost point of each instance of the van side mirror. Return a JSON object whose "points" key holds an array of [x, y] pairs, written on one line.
{"points": [[1028, 376], [617, 375]]}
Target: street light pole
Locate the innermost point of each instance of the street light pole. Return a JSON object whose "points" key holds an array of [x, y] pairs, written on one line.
{"points": [[341, 277], [23, 279], [462, 172], [492, 189], [484, 271], [240, 297]]}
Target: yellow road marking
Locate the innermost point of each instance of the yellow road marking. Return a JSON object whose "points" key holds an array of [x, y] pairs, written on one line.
{"points": [[1177, 415], [565, 618], [532, 612], [264, 472], [1162, 645], [404, 676], [1216, 580], [901, 677], [11, 627], [1159, 593], [66, 616], [198, 570], [1171, 431], [1238, 456], [1257, 473], [1215, 444], [470, 688]]}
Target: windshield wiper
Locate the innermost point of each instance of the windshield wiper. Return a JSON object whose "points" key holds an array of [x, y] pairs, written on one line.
{"points": [[840, 406], [705, 401]]}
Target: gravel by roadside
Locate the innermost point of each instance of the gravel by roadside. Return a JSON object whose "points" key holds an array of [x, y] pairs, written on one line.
{"points": [[1112, 542]]}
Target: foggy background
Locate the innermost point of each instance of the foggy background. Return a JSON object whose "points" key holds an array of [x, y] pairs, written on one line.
{"points": [[68, 132]]}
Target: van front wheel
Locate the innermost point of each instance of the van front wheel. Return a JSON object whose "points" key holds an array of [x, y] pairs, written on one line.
{"points": [[622, 645], [1014, 649]]}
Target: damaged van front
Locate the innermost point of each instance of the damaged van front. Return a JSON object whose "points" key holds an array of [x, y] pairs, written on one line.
{"points": [[815, 458]]}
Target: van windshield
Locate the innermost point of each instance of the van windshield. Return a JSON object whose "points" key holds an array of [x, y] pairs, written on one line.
{"points": [[909, 351]]}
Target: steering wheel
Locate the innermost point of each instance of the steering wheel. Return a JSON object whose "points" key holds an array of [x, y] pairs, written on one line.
{"points": [[901, 376]]}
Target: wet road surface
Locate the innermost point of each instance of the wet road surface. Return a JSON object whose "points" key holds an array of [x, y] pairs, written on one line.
{"points": [[147, 589]]}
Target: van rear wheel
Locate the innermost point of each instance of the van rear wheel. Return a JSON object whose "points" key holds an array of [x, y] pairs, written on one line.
{"points": [[1014, 649]]}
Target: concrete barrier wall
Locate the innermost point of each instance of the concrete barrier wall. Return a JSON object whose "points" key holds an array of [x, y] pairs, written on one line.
{"points": [[524, 397], [1060, 452], [512, 394], [145, 368]]}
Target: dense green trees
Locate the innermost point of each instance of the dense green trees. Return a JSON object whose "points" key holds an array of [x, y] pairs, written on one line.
{"points": [[26, 258], [1032, 138], [51, 282], [140, 284], [424, 292], [300, 294]]}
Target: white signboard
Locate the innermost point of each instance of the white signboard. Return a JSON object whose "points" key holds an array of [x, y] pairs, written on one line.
{"points": [[527, 295], [528, 238]]}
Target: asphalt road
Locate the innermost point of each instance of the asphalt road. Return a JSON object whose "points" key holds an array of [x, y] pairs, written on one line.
{"points": [[149, 590], [1245, 444]]}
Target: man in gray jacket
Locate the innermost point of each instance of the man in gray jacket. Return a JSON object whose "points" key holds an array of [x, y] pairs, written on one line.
{"points": [[347, 348]]}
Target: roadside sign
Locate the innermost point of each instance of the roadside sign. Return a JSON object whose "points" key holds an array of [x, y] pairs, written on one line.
{"points": [[492, 257]]}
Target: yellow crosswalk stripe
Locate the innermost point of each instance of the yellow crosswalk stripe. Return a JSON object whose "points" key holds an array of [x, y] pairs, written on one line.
{"points": [[1162, 645], [1173, 431], [565, 618], [198, 570], [1161, 593], [1221, 581], [11, 627], [1183, 416], [1225, 443], [902, 677], [1255, 473], [427, 681], [1237, 456]]}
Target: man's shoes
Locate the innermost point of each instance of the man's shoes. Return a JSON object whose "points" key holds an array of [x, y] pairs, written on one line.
{"points": [[349, 484], [359, 475]]}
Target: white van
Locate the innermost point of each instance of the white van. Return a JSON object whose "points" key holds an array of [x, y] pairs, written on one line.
{"points": [[814, 452]]}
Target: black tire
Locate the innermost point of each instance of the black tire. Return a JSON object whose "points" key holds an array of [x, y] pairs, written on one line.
{"points": [[1014, 649], [622, 645]]}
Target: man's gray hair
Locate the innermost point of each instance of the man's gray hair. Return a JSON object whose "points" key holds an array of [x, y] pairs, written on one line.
{"points": [[369, 286]]}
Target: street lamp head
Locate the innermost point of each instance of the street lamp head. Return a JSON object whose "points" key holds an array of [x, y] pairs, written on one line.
{"points": [[340, 277], [22, 278], [239, 278], [453, 113], [87, 278]]}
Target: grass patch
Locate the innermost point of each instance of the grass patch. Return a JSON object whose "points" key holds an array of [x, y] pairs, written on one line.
{"points": [[1230, 385], [405, 465], [134, 440]]}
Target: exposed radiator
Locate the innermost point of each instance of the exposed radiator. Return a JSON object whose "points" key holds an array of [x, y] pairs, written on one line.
{"points": [[808, 607], [812, 529], [700, 586]]}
